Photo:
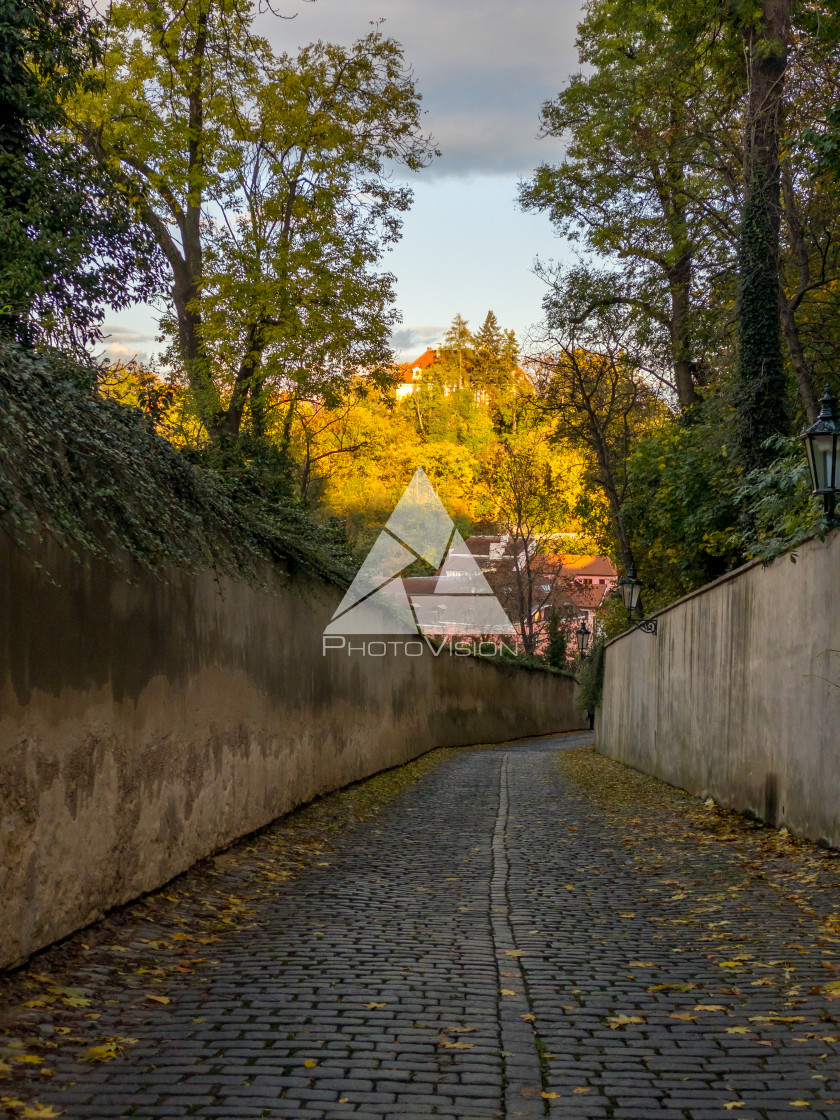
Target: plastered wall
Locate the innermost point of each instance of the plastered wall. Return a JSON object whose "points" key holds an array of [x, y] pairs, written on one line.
{"points": [[145, 725], [738, 695]]}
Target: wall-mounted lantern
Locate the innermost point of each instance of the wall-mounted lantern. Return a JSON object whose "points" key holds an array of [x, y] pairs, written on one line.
{"points": [[583, 634], [630, 589], [821, 445]]}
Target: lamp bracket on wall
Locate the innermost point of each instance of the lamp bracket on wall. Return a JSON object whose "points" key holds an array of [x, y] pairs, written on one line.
{"points": [[649, 627]]}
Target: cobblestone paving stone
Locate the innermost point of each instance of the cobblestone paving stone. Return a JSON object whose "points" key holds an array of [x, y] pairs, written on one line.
{"points": [[491, 947]]}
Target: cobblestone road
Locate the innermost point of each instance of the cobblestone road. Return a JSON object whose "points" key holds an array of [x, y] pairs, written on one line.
{"points": [[490, 948]]}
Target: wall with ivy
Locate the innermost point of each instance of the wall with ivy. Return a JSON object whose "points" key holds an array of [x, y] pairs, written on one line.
{"points": [[738, 695]]}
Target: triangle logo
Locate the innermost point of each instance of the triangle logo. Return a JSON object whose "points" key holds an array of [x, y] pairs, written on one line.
{"points": [[460, 600]]}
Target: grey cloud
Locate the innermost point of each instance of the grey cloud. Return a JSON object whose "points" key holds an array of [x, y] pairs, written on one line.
{"points": [[126, 335], [410, 342], [484, 67]]}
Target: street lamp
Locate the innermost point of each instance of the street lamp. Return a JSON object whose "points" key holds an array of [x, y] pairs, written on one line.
{"points": [[821, 445], [583, 634], [630, 589]]}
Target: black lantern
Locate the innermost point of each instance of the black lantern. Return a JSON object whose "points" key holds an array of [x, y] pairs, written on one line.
{"points": [[630, 589], [583, 635], [821, 445]]}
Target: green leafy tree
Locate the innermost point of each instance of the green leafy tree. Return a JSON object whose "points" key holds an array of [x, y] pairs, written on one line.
{"points": [[650, 172], [681, 503], [265, 181], [69, 240], [555, 649]]}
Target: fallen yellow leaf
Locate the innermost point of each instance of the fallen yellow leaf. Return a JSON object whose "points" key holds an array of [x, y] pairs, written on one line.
{"points": [[549, 1096], [777, 1018], [738, 1030], [710, 1007], [159, 999], [617, 1021], [310, 1063], [686, 1015], [40, 1112], [374, 1006], [640, 964], [581, 1089], [75, 1001], [448, 1044], [507, 992], [528, 1018], [513, 952], [105, 1053], [734, 1104]]}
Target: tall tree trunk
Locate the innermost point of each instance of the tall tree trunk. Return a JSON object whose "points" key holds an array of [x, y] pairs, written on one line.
{"points": [[801, 365], [246, 383], [787, 307], [760, 375], [679, 282]]}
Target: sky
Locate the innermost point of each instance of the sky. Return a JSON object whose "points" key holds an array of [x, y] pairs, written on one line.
{"points": [[483, 67]]}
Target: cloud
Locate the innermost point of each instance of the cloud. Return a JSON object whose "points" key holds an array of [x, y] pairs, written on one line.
{"points": [[484, 68], [410, 342], [125, 335], [123, 343]]}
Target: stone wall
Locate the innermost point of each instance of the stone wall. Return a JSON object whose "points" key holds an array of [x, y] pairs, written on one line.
{"points": [[145, 725], [738, 695]]}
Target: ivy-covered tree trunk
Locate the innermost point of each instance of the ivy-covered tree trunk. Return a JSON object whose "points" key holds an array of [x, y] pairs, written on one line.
{"points": [[760, 373]]}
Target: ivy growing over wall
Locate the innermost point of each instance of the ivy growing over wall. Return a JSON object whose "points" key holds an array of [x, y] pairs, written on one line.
{"points": [[89, 473]]}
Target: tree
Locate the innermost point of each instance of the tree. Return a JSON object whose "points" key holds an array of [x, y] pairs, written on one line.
{"points": [[69, 241], [649, 176], [809, 252], [459, 341], [265, 182], [530, 507], [494, 367], [555, 650], [760, 373], [593, 388]]}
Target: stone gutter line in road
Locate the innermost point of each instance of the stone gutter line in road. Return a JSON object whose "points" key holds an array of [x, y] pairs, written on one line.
{"points": [[523, 1074]]}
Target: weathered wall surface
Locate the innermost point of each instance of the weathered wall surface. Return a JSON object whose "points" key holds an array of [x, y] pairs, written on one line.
{"points": [[738, 695], [144, 726]]}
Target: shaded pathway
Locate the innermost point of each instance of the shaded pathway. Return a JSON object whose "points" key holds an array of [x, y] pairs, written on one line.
{"points": [[488, 948]]}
